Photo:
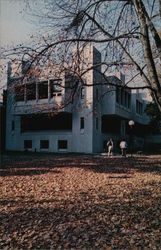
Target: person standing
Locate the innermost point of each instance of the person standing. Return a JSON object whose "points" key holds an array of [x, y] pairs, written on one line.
{"points": [[110, 147], [123, 147]]}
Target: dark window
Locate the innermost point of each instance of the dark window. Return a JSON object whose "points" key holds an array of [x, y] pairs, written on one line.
{"points": [[13, 125], [31, 91], [55, 87], [96, 122], [82, 93], [122, 97], [97, 94], [117, 95], [43, 90], [110, 124], [27, 143], [41, 122], [62, 144], [20, 91], [129, 101], [139, 107], [82, 123], [126, 99], [44, 144]]}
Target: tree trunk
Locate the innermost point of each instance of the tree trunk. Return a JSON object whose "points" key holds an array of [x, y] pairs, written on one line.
{"points": [[153, 76]]}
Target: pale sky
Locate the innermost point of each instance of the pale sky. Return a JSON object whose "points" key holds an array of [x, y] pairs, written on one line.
{"points": [[14, 27]]}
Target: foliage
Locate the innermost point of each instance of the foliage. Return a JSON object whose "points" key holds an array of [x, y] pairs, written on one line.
{"points": [[155, 117], [80, 202], [126, 31]]}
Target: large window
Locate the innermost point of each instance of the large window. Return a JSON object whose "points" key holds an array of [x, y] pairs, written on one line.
{"points": [[43, 90], [20, 92], [55, 87], [31, 91], [62, 144], [123, 97], [41, 122]]}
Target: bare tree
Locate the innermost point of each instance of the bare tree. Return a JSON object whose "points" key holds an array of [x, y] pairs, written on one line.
{"points": [[126, 32]]}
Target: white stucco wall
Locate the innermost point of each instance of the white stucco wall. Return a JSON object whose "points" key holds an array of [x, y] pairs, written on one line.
{"points": [[88, 140]]}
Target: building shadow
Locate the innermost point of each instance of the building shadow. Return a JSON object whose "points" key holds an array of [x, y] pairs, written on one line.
{"points": [[36, 164]]}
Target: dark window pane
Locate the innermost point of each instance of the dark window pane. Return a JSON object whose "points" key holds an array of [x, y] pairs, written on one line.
{"points": [[31, 91], [62, 121], [13, 125], [121, 96], [43, 90], [129, 100], [27, 143], [117, 94], [44, 144], [110, 124], [62, 144], [97, 96], [82, 123], [20, 91], [96, 122]]}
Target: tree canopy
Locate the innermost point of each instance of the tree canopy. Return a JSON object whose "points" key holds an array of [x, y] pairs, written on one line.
{"points": [[127, 32]]}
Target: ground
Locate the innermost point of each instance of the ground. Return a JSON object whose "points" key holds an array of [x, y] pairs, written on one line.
{"points": [[80, 202]]}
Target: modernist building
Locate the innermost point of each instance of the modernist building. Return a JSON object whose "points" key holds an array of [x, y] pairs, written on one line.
{"points": [[2, 122], [83, 123]]}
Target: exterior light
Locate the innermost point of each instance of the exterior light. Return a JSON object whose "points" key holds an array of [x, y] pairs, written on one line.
{"points": [[131, 123]]}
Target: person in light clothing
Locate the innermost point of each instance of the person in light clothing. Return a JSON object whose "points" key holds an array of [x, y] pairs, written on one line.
{"points": [[110, 147], [123, 147]]}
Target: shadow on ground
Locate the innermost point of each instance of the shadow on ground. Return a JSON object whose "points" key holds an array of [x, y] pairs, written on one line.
{"points": [[36, 165]]}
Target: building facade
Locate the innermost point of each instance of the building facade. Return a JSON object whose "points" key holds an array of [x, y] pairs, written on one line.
{"points": [[3, 123], [43, 115]]}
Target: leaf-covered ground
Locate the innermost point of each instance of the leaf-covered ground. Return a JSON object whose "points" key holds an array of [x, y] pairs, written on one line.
{"points": [[80, 202]]}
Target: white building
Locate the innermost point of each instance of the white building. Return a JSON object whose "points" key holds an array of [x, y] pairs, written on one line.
{"points": [[96, 113]]}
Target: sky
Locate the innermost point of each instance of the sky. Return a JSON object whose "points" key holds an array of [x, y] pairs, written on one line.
{"points": [[14, 28]]}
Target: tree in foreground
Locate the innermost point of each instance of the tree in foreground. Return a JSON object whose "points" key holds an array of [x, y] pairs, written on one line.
{"points": [[126, 32]]}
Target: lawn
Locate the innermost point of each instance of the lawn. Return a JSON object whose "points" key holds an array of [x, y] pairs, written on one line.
{"points": [[80, 202]]}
